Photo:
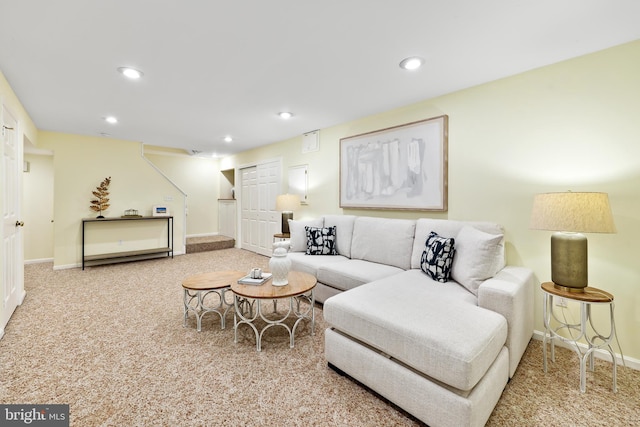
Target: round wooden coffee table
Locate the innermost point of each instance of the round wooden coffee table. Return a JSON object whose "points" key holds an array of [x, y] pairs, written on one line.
{"points": [[299, 290], [212, 285]]}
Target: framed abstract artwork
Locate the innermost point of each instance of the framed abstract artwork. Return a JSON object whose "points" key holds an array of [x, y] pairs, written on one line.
{"points": [[402, 167]]}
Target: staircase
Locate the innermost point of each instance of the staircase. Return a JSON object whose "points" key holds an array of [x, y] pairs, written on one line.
{"points": [[209, 243]]}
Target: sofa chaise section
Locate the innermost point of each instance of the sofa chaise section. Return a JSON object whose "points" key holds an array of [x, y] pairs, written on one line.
{"points": [[445, 336]]}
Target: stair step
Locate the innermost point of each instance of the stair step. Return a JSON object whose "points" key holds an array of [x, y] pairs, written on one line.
{"points": [[209, 243]]}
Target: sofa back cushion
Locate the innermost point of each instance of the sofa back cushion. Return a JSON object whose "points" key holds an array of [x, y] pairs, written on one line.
{"points": [[298, 234], [479, 256], [384, 240], [451, 228], [344, 231]]}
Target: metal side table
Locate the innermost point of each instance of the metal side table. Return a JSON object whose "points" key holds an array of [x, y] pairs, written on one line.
{"points": [[585, 329]]}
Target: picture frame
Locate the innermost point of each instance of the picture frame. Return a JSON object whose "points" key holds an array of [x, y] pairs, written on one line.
{"points": [[403, 167], [160, 210]]}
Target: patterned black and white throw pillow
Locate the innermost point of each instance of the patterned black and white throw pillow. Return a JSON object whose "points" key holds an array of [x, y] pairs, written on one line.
{"points": [[437, 257], [321, 241]]}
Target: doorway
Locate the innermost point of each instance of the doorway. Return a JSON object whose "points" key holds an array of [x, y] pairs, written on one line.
{"points": [[11, 259]]}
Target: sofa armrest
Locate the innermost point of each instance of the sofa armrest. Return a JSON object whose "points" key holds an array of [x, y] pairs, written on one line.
{"points": [[510, 293]]}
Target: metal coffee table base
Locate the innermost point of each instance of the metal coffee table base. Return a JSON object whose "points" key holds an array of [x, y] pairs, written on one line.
{"points": [[244, 311], [196, 301]]}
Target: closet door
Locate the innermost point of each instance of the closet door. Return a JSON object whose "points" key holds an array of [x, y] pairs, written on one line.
{"points": [[259, 219], [269, 219], [249, 206]]}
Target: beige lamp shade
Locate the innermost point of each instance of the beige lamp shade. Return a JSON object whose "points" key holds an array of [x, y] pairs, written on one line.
{"points": [[287, 202], [571, 214], [574, 212]]}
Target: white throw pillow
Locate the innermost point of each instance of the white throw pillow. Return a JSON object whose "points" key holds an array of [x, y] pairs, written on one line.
{"points": [[344, 231], [477, 257], [298, 235]]}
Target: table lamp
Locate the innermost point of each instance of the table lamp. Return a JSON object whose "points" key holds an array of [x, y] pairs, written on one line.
{"points": [[570, 214], [287, 203]]}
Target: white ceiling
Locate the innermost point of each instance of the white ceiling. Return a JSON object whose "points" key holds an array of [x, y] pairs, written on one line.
{"points": [[215, 68]]}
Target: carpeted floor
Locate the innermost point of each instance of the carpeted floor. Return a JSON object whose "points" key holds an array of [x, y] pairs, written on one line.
{"points": [[110, 342]]}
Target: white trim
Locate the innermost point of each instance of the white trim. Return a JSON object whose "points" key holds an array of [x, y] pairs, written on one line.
{"points": [[35, 151], [629, 362], [164, 153], [37, 261], [260, 162], [203, 235], [157, 169], [68, 266]]}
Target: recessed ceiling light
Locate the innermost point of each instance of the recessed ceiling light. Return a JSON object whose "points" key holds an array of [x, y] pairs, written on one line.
{"points": [[111, 119], [411, 63], [285, 115], [131, 73], [228, 139]]}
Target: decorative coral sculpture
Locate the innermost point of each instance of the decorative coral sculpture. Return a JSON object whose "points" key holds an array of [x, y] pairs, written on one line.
{"points": [[101, 201]]}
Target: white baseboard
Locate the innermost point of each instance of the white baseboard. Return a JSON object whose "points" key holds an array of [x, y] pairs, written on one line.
{"points": [[37, 261], [202, 235], [629, 362], [67, 266], [79, 265]]}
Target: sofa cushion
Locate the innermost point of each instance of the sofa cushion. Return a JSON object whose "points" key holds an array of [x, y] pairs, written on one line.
{"points": [[435, 328], [384, 240], [438, 256], [310, 264], [451, 228], [298, 235], [352, 273], [321, 241], [477, 257], [344, 231]]}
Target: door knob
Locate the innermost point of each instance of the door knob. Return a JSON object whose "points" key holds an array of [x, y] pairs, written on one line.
{"points": [[19, 223]]}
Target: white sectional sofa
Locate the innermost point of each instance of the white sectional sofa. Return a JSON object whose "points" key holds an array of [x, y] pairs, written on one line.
{"points": [[442, 351]]}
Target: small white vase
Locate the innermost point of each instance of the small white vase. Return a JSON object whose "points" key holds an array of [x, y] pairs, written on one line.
{"points": [[280, 264]]}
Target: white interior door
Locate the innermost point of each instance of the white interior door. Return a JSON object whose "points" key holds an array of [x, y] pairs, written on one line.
{"points": [[269, 219], [12, 269], [249, 206], [259, 219]]}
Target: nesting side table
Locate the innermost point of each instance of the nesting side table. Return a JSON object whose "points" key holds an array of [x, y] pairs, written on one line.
{"points": [[299, 289], [585, 329], [199, 289]]}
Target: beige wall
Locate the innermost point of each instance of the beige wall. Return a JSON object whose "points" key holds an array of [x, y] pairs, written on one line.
{"points": [[37, 207], [199, 178], [569, 126], [80, 164], [9, 98]]}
